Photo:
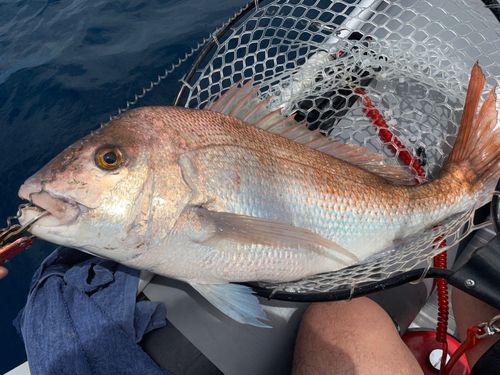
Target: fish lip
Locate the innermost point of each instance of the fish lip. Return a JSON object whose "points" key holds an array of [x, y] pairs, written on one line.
{"points": [[63, 210]]}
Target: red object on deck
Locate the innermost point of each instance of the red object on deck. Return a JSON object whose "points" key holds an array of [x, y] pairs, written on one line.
{"points": [[422, 343]]}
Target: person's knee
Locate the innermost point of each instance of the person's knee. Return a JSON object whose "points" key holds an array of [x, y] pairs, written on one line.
{"points": [[357, 314], [357, 337]]}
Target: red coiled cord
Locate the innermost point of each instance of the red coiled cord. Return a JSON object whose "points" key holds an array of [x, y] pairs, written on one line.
{"points": [[393, 143], [440, 261]]}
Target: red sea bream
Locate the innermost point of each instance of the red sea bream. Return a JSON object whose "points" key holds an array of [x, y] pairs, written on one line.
{"points": [[210, 199]]}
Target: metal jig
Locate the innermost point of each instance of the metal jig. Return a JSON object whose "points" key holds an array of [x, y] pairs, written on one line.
{"points": [[12, 241]]}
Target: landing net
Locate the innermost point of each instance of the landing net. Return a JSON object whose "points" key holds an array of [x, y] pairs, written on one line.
{"points": [[324, 61]]}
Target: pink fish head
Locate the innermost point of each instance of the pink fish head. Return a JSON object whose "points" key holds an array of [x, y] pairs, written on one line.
{"points": [[103, 192]]}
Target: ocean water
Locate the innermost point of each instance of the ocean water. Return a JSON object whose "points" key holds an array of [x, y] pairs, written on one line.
{"points": [[65, 66]]}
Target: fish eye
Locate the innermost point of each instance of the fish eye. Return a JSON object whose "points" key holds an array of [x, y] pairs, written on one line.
{"points": [[109, 159]]}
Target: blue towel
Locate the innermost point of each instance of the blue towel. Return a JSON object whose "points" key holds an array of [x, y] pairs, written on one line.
{"points": [[81, 317]]}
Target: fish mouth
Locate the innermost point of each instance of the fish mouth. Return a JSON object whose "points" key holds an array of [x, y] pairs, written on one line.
{"points": [[63, 211]]}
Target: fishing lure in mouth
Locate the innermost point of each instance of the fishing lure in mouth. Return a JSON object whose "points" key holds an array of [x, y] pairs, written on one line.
{"points": [[12, 241]]}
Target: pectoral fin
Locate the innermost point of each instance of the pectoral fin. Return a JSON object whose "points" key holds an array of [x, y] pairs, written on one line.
{"points": [[219, 226], [236, 301]]}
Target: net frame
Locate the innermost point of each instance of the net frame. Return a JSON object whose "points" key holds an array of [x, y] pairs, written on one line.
{"points": [[416, 56]]}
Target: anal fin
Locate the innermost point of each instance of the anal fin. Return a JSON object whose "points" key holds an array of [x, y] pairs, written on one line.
{"points": [[236, 301]]}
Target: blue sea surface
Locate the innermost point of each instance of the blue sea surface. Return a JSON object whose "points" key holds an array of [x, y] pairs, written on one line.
{"points": [[65, 66]]}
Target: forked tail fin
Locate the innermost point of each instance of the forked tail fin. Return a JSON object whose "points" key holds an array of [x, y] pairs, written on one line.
{"points": [[478, 142]]}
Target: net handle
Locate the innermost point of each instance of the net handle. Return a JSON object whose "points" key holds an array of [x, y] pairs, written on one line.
{"points": [[357, 291]]}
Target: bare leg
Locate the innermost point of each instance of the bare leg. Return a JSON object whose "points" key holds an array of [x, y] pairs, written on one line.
{"points": [[357, 337], [470, 311]]}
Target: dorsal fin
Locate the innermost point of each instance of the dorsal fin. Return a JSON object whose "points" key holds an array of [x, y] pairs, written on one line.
{"points": [[243, 103]]}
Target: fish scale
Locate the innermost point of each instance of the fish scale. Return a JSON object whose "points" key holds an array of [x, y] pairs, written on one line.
{"points": [[348, 223]]}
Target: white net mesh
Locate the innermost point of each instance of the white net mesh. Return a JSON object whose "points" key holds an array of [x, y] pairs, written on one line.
{"points": [[325, 60]]}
